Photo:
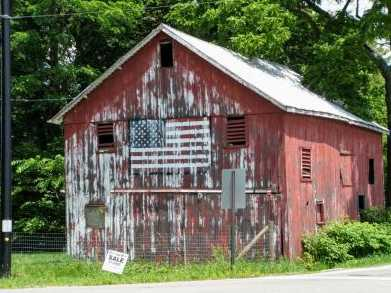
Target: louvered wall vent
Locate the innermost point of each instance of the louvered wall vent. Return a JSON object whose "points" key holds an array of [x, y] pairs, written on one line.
{"points": [[105, 136], [306, 164], [236, 131]]}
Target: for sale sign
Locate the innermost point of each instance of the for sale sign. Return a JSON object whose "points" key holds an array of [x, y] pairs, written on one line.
{"points": [[115, 262]]}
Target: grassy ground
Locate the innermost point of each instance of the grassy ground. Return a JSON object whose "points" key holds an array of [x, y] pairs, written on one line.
{"points": [[42, 270]]}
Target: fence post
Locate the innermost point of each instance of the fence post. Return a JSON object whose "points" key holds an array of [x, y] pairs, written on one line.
{"points": [[184, 229], [272, 240]]}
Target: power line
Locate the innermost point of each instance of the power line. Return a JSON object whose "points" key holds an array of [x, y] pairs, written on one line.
{"points": [[17, 17], [39, 100], [50, 15]]}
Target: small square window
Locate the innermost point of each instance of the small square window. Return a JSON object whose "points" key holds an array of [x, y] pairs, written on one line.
{"points": [[371, 171], [236, 131], [166, 56], [105, 136]]}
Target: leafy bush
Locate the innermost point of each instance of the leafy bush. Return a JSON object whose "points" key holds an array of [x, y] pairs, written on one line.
{"points": [[38, 200], [340, 242], [320, 247], [376, 215]]}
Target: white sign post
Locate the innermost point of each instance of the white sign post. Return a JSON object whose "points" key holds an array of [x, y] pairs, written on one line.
{"points": [[115, 262], [6, 226]]}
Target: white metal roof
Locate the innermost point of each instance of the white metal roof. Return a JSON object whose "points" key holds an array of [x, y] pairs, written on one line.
{"points": [[276, 83]]}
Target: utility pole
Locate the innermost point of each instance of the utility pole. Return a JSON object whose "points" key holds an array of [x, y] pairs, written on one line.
{"points": [[6, 223]]}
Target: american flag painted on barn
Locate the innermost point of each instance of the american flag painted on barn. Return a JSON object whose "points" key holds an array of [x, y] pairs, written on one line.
{"points": [[170, 144]]}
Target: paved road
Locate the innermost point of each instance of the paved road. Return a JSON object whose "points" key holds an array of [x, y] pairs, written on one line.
{"points": [[375, 279]]}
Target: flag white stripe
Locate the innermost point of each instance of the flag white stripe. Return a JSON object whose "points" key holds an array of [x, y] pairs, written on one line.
{"points": [[177, 132], [171, 165], [173, 149], [170, 157], [185, 140], [187, 123]]}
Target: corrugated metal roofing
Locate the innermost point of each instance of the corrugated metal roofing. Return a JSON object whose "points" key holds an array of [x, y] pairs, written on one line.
{"points": [[274, 82]]}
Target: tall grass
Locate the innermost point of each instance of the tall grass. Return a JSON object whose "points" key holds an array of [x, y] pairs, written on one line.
{"points": [[42, 270]]}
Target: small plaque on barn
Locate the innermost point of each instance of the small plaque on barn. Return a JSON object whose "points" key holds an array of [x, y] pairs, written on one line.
{"points": [[115, 262], [95, 215], [233, 188]]}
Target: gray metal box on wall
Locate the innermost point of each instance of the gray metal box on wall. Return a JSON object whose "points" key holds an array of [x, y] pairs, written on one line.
{"points": [[95, 215], [235, 178]]}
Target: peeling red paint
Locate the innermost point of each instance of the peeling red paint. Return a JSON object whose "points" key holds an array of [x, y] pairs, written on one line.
{"points": [[168, 225]]}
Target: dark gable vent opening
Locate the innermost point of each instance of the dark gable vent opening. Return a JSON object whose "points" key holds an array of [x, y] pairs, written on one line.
{"points": [[105, 136], [166, 56], [236, 131], [371, 171], [361, 202], [306, 164]]}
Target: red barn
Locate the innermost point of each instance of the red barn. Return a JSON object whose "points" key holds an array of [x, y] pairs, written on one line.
{"points": [[145, 145]]}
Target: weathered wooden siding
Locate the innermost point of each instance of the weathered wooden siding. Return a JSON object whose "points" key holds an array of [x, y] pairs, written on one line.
{"points": [[330, 141], [141, 89], [175, 227], [158, 225]]}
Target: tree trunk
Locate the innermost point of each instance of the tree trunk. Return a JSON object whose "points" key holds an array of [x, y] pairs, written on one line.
{"points": [[385, 71]]}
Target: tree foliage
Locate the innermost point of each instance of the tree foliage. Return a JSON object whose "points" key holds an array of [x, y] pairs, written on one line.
{"points": [[54, 58], [368, 36], [38, 195], [254, 28]]}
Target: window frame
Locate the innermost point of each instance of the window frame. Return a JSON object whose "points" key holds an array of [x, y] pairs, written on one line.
{"points": [[109, 148], [228, 146]]}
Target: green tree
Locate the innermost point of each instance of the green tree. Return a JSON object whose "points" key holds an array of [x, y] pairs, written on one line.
{"points": [[253, 28], [360, 36], [38, 195], [54, 58]]}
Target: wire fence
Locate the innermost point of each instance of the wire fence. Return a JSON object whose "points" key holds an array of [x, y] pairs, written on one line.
{"points": [[158, 247], [196, 247], [38, 242]]}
